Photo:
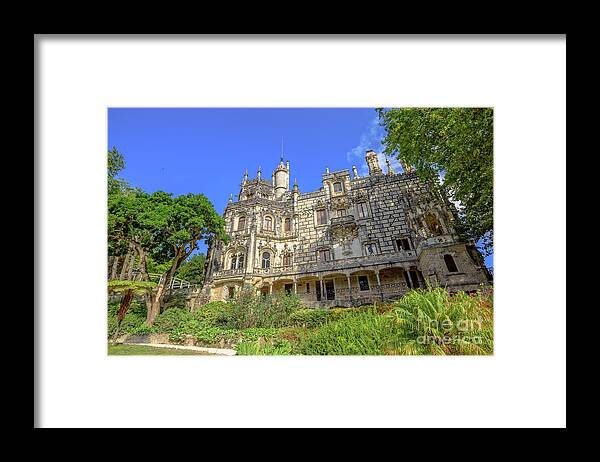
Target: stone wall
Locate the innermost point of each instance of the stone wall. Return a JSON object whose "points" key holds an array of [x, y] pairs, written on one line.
{"points": [[389, 227]]}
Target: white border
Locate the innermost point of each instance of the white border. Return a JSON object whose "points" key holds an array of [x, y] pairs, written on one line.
{"points": [[523, 384]]}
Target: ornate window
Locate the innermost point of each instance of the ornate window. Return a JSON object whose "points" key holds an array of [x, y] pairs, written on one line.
{"points": [[450, 263], [241, 223], [403, 244], [287, 225], [371, 248], [337, 187], [266, 260], [321, 217], [324, 255], [287, 259], [237, 261], [268, 223], [363, 282], [362, 210], [340, 213]]}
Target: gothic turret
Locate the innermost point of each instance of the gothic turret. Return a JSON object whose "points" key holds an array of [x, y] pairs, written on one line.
{"points": [[373, 163], [282, 178]]}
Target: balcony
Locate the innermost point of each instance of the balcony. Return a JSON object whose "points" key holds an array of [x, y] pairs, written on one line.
{"points": [[342, 221], [229, 272]]}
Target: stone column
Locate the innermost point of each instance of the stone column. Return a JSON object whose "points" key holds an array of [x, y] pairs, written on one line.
{"points": [[295, 286], [322, 287], [349, 288], [379, 284], [270, 288]]}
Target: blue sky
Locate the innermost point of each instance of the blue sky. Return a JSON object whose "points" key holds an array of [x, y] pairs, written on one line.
{"points": [[206, 150]]}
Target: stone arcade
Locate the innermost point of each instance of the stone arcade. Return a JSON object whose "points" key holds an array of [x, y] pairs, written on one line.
{"points": [[356, 240]]}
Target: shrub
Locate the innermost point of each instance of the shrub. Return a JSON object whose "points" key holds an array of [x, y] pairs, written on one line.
{"points": [[250, 310], [171, 319], [143, 329], [436, 322], [254, 348], [309, 317], [362, 333], [314, 317]]}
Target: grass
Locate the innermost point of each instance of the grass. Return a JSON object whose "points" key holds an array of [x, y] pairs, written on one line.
{"points": [[423, 322], [136, 350]]}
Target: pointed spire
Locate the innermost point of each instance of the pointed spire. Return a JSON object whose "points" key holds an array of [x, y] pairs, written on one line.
{"points": [[246, 175], [389, 166], [295, 185], [258, 173], [230, 198], [355, 171]]}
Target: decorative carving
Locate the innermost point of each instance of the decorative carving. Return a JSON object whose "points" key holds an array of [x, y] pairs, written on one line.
{"points": [[344, 234], [339, 202]]}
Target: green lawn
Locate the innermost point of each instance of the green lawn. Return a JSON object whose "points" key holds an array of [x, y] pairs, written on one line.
{"points": [[148, 350]]}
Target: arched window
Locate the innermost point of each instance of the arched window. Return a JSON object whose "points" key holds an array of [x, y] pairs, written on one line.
{"points": [[240, 263], [287, 260], [266, 260], [233, 261], [337, 187], [241, 223], [268, 223], [450, 264], [287, 225]]}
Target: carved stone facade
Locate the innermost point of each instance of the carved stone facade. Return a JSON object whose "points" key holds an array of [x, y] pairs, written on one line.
{"points": [[356, 240]]}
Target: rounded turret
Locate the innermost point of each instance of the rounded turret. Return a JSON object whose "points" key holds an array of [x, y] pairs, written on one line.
{"points": [[282, 178]]}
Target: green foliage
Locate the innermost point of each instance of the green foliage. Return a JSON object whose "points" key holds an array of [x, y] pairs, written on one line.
{"points": [[172, 318], [132, 349], [152, 266], [282, 347], [250, 310], [313, 317], [435, 322], [455, 142], [139, 287], [364, 333], [423, 322], [115, 164], [192, 270], [167, 228], [135, 317]]}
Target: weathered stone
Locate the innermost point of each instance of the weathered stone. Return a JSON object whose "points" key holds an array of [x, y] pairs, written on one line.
{"points": [[386, 224]]}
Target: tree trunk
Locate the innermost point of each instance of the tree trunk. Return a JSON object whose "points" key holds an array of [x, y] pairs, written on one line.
{"points": [[155, 299], [125, 304]]}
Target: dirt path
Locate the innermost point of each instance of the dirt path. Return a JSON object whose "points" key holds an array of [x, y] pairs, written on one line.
{"points": [[213, 351]]}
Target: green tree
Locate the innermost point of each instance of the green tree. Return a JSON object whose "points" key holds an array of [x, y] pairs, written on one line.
{"points": [[452, 147], [116, 163], [192, 269], [164, 228]]}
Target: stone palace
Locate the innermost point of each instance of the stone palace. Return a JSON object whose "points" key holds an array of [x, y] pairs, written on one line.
{"points": [[355, 240]]}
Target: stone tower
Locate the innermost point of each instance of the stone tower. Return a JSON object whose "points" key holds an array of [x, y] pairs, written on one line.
{"points": [[281, 178], [355, 240], [373, 163]]}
